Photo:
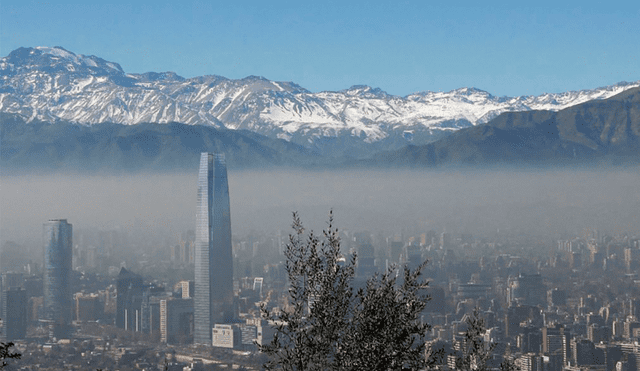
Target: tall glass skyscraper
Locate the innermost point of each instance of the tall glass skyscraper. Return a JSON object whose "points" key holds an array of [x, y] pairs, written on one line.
{"points": [[58, 301], [213, 299]]}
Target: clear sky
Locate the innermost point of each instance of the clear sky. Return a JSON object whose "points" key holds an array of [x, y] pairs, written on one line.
{"points": [[399, 46]]}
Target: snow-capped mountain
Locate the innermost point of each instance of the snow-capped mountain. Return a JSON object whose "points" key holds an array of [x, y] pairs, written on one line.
{"points": [[53, 84]]}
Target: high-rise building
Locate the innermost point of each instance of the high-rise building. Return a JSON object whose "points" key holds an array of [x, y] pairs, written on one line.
{"points": [[88, 307], [396, 251], [8, 281], [365, 265], [129, 303], [529, 289], [413, 255], [14, 314], [176, 320], [213, 300], [556, 340], [150, 308], [58, 300], [186, 288]]}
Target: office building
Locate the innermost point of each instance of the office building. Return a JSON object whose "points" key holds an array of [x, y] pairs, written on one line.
{"points": [[413, 256], [583, 352], [150, 316], [473, 291], [12, 279], [129, 302], [528, 290], [8, 281], [226, 336], [14, 314], [396, 251], [176, 320], [88, 307], [213, 299], [556, 340], [365, 265], [186, 288], [556, 297], [529, 362], [58, 300]]}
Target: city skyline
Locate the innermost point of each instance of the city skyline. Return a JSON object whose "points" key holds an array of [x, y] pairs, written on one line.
{"points": [[536, 294]]}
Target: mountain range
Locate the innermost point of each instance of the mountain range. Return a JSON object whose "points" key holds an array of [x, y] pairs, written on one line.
{"points": [[59, 109], [51, 84], [63, 146], [595, 132]]}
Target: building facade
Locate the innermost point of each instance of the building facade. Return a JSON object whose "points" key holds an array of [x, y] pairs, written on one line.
{"points": [[213, 299], [129, 302], [14, 314], [176, 320], [58, 299], [87, 307], [365, 265]]}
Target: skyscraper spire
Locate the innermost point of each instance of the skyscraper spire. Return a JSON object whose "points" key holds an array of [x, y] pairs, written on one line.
{"points": [[213, 301]]}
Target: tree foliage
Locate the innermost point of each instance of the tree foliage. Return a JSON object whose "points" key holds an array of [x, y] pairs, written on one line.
{"points": [[6, 353], [331, 325], [474, 352]]}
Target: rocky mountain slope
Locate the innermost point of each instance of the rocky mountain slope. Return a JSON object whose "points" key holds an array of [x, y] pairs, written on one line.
{"points": [[45, 147], [599, 131]]}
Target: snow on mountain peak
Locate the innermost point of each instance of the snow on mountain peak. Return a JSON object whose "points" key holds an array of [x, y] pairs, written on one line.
{"points": [[470, 91], [365, 91], [52, 83], [57, 57], [56, 51]]}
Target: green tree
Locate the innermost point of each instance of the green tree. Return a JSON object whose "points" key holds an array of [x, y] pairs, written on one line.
{"points": [[330, 325]]}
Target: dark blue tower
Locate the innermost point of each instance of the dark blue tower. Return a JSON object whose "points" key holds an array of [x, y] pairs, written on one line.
{"points": [[213, 299], [58, 301]]}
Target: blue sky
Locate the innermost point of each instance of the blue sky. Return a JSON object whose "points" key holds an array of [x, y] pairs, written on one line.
{"points": [[400, 47]]}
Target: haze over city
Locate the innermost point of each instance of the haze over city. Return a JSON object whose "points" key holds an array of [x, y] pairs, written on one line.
{"points": [[547, 202]]}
